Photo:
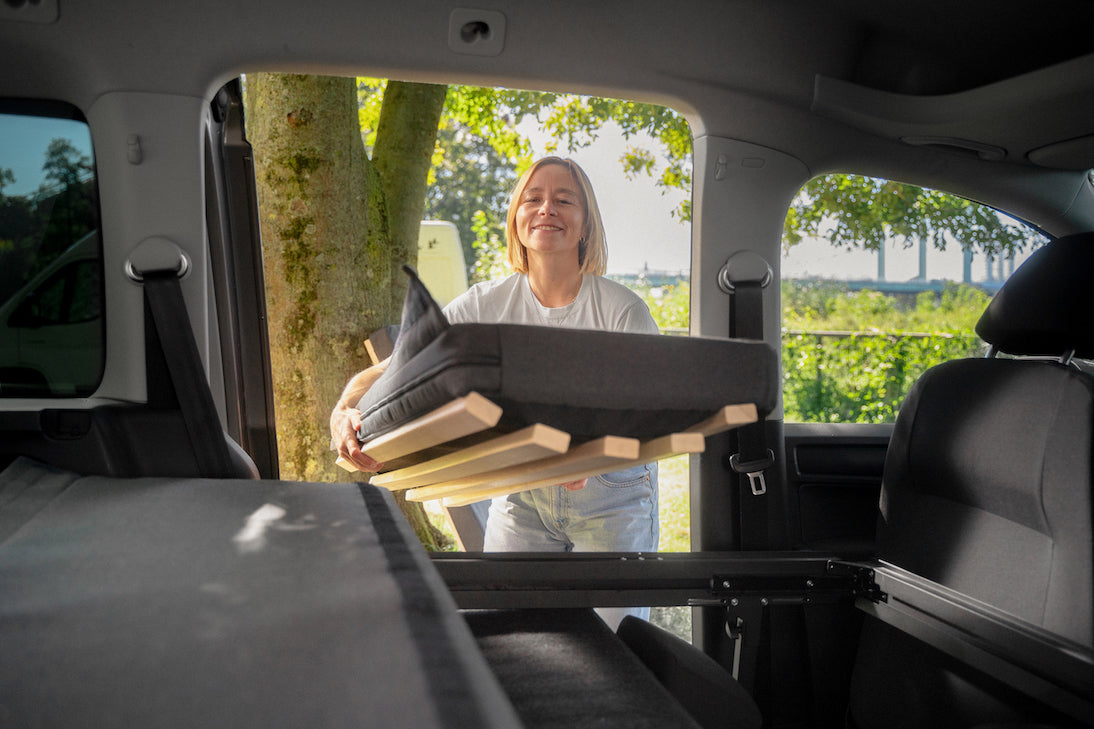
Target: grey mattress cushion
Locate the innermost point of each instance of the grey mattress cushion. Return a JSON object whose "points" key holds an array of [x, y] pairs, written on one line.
{"points": [[164, 602], [587, 383]]}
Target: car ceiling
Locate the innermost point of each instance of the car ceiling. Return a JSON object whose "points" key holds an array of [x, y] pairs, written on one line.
{"points": [[831, 83]]}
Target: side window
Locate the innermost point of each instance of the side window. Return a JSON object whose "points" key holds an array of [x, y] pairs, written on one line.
{"points": [[51, 318], [880, 281]]}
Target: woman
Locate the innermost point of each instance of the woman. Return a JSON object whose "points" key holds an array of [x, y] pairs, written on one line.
{"points": [[556, 245]]}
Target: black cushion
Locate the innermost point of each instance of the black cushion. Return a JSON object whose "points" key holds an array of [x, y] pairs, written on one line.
{"points": [[1044, 307], [705, 689], [422, 322], [587, 383], [566, 668]]}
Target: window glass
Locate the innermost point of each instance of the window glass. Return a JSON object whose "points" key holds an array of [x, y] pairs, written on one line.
{"points": [[51, 323], [882, 280]]}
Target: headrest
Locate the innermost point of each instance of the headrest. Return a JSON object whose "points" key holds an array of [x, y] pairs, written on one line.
{"points": [[1044, 308]]}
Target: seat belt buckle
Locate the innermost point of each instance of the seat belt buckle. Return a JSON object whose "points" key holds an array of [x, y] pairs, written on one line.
{"points": [[735, 630], [754, 470]]}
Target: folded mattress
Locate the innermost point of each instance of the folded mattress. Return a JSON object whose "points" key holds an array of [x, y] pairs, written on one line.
{"points": [[586, 383], [175, 602]]}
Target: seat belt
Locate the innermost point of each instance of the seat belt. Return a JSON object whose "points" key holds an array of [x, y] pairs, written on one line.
{"points": [[753, 455], [743, 278], [163, 298]]}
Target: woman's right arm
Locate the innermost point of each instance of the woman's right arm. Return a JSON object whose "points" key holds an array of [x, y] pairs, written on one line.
{"points": [[345, 419]]}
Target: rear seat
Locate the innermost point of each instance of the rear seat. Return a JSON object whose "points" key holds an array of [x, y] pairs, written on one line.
{"points": [[987, 491]]}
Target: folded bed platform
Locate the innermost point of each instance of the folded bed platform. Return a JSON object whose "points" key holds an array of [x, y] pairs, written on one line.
{"points": [[466, 411]]}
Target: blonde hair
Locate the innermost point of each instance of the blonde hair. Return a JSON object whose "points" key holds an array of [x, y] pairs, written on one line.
{"points": [[592, 250]]}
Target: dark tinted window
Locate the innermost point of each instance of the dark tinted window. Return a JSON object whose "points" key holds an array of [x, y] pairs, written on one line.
{"points": [[51, 318]]}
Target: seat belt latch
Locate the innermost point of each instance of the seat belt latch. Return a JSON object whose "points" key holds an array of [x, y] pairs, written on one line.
{"points": [[754, 470]]}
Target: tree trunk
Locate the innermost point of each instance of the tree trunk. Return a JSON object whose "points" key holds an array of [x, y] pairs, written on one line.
{"points": [[328, 258], [403, 155], [325, 254]]}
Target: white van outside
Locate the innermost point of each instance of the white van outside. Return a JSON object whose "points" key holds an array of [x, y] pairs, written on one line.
{"points": [[51, 330], [441, 264]]}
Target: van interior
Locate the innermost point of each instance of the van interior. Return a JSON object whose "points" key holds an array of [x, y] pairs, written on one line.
{"points": [[157, 569]]}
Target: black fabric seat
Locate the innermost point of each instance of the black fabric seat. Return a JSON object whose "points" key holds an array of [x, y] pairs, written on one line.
{"points": [[702, 686], [987, 490], [565, 668]]}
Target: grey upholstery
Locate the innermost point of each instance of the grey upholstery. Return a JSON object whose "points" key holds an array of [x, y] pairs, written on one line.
{"points": [[987, 490], [177, 602]]}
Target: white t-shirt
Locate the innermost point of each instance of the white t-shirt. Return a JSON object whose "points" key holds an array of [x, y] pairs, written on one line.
{"points": [[601, 304]]}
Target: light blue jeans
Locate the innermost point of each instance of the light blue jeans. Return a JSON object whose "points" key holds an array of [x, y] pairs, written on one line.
{"points": [[615, 512]]}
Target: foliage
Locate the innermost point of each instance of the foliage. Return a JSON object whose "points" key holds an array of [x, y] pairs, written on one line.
{"points": [[852, 211], [670, 305], [489, 260], [674, 500], [879, 344], [470, 187], [577, 120], [480, 151], [850, 357]]}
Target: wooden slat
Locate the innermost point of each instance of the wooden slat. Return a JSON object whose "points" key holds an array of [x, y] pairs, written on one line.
{"points": [[422, 431], [731, 416], [463, 416], [380, 345], [653, 450], [533, 443], [602, 453], [668, 446]]}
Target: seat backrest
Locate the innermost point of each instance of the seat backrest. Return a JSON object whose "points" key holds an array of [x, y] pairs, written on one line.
{"points": [[987, 489]]}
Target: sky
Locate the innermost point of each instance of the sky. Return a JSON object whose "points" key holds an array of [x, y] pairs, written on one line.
{"points": [[34, 134]]}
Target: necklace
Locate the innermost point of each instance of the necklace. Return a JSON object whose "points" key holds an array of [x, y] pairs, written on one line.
{"points": [[541, 301]]}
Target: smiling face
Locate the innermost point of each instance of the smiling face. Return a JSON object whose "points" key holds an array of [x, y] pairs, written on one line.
{"points": [[550, 213]]}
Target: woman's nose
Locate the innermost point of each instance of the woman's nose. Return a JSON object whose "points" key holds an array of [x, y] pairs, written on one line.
{"points": [[546, 208]]}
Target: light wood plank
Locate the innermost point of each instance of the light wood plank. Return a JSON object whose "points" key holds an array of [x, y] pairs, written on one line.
{"points": [[653, 450], [731, 416], [601, 453], [463, 416], [667, 446], [533, 443], [379, 345]]}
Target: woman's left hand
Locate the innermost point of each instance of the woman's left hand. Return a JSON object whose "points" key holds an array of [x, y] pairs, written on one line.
{"points": [[574, 485]]}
